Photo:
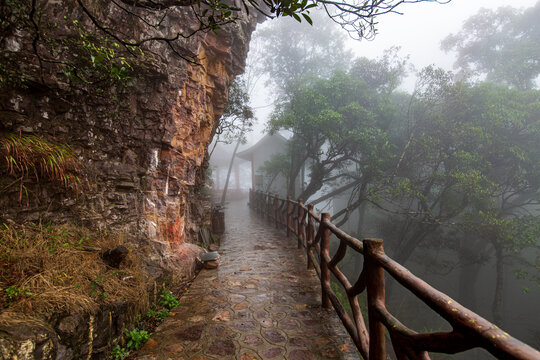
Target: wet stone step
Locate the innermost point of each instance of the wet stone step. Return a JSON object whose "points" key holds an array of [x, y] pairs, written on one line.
{"points": [[260, 303]]}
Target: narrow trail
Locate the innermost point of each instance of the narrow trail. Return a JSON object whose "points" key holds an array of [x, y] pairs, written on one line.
{"points": [[260, 303]]}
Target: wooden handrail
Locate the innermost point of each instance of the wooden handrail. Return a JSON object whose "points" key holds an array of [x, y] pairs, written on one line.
{"points": [[312, 231]]}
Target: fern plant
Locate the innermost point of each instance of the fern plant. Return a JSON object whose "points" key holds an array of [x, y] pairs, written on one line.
{"points": [[30, 155]]}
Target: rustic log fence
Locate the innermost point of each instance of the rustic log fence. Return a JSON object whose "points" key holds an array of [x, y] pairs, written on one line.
{"points": [[312, 231]]}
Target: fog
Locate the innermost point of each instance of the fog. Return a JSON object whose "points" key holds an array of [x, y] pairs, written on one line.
{"points": [[437, 152], [419, 31]]}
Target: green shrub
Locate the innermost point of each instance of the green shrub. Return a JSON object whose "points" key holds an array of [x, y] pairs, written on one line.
{"points": [[158, 315], [136, 338], [168, 300], [119, 353], [14, 292]]}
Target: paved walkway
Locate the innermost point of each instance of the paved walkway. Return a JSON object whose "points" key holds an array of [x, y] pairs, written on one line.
{"points": [[260, 303]]}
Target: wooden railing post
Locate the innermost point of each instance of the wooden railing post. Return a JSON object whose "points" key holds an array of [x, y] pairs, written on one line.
{"points": [[375, 295], [300, 223], [325, 251], [289, 208], [309, 236]]}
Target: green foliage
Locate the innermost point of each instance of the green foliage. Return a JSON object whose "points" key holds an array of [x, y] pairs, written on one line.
{"points": [[119, 353], [278, 165], [342, 296], [29, 155], [338, 124], [238, 118], [168, 300], [158, 315], [14, 292], [95, 59], [135, 338]]}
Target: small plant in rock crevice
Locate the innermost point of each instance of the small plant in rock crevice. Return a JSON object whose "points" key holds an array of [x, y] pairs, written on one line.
{"points": [[168, 300], [119, 353], [136, 338], [158, 315]]}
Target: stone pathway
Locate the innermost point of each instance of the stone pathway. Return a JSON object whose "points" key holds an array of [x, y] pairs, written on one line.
{"points": [[260, 303]]}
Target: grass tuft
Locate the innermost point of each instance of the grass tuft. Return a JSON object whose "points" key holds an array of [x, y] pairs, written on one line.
{"points": [[32, 156], [48, 269]]}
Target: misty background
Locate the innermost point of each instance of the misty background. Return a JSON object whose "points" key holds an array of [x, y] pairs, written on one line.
{"points": [[421, 50]]}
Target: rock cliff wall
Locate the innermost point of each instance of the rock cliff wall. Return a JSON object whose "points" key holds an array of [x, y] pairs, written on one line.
{"points": [[141, 145], [137, 120]]}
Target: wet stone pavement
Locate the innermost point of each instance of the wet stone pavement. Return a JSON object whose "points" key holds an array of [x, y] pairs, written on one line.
{"points": [[260, 303]]}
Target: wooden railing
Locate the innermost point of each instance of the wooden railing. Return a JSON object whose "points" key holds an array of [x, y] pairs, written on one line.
{"points": [[469, 330]]}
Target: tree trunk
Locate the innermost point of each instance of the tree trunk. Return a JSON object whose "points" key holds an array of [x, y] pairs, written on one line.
{"points": [[360, 225], [470, 253], [224, 194], [497, 304], [409, 244], [237, 175], [269, 186], [468, 276]]}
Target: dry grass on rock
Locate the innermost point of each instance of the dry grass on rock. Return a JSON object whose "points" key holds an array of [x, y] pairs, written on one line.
{"points": [[58, 269]]}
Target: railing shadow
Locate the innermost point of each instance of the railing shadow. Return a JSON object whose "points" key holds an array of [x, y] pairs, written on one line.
{"points": [[312, 231]]}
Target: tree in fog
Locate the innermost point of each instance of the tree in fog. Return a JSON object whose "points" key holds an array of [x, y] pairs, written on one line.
{"points": [[503, 45], [338, 127], [295, 52], [237, 118], [236, 121], [383, 75], [294, 55], [278, 165], [472, 165], [510, 220]]}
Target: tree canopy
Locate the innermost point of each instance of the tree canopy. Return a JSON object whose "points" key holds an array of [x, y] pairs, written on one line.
{"points": [[339, 128], [503, 45]]}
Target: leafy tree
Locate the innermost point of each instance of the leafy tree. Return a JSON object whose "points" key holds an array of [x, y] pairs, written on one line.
{"points": [[275, 167], [291, 65], [236, 121], [338, 127], [503, 45], [384, 74], [237, 118], [289, 61], [470, 165]]}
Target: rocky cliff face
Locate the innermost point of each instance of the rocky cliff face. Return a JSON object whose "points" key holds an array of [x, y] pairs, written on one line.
{"points": [[142, 144], [138, 121]]}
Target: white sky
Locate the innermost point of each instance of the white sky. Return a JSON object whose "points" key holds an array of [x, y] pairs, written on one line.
{"points": [[422, 27], [419, 32]]}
